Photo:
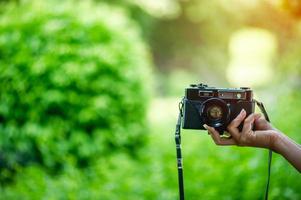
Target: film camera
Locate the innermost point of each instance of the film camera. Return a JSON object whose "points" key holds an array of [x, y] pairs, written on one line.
{"points": [[216, 107]]}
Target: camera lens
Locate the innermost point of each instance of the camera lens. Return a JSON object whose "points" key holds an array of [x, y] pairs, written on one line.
{"points": [[215, 112]]}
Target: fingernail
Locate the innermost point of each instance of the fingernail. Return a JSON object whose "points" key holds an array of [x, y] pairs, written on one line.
{"points": [[242, 111], [205, 126]]}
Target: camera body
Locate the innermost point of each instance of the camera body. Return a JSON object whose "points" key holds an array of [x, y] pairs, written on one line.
{"points": [[216, 107]]}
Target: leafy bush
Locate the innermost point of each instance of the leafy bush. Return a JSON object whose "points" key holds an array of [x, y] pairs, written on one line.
{"points": [[74, 79]]}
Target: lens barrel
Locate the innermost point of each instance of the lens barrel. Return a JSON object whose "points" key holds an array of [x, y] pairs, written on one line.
{"points": [[215, 112]]}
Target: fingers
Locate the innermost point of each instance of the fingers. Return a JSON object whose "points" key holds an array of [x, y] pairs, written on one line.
{"points": [[257, 116], [216, 137], [240, 117], [249, 121], [237, 137], [262, 124], [232, 128]]}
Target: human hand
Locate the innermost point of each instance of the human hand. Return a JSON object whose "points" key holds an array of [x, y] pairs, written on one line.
{"points": [[263, 136]]}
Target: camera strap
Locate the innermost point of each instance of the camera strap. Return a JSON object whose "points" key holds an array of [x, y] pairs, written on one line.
{"points": [[264, 112], [179, 153]]}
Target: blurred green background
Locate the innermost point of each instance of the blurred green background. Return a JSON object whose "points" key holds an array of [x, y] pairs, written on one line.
{"points": [[89, 93]]}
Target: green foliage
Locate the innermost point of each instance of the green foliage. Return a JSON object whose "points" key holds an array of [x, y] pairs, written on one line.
{"points": [[211, 172], [73, 98], [74, 85]]}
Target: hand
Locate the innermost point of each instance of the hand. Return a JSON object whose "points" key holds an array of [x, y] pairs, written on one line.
{"points": [[263, 136]]}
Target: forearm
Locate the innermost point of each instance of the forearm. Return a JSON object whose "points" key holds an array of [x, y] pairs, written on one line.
{"points": [[289, 149]]}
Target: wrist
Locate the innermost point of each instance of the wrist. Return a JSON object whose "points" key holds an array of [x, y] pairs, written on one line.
{"points": [[276, 144]]}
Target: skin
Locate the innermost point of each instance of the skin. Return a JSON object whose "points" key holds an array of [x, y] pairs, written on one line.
{"points": [[264, 135]]}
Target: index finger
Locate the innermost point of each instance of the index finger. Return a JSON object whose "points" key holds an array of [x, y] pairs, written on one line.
{"points": [[233, 126]]}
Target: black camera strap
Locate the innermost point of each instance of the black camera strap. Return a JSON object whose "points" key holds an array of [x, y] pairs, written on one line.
{"points": [[266, 116], [179, 153]]}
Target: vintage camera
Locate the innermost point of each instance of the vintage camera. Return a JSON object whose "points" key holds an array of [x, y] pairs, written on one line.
{"points": [[216, 107]]}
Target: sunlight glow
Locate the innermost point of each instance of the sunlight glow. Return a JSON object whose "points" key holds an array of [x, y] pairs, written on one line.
{"points": [[251, 55], [161, 9]]}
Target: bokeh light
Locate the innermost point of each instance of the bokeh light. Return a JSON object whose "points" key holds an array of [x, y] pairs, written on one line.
{"points": [[252, 52]]}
